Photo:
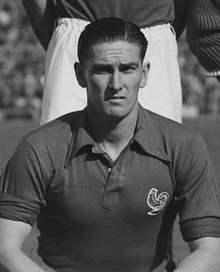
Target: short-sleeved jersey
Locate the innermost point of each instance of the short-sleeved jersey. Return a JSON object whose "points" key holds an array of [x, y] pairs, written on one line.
{"points": [[103, 216], [143, 13]]}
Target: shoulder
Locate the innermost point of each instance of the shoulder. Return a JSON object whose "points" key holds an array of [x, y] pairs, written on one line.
{"points": [[54, 134], [169, 129], [183, 144], [173, 138]]}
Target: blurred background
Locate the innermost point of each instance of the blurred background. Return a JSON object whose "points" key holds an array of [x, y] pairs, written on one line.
{"points": [[22, 71], [21, 64]]}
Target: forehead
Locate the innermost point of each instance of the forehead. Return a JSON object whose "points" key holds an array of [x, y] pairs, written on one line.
{"points": [[116, 51]]}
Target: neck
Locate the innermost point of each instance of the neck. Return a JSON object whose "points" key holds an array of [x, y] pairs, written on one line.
{"points": [[113, 134]]}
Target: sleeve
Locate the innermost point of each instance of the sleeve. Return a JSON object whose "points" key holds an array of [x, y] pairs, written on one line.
{"points": [[22, 189], [42, 15], [197, 193], [179, 23], [203, 33]]}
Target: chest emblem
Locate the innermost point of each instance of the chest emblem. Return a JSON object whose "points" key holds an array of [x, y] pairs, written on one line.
{"points": [[156, 202]]}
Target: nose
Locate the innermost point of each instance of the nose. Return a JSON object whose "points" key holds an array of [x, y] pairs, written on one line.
{"points": [[116, 81]]}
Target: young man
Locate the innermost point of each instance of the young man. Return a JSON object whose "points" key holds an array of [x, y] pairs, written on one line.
{"points": [[62, 94], [105, 184]]}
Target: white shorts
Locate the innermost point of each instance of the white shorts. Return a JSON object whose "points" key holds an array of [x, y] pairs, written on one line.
{"points": [[62, 93]]}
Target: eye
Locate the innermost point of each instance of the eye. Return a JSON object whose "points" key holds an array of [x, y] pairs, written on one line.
{"points": [[127, 69], [103, 70]]}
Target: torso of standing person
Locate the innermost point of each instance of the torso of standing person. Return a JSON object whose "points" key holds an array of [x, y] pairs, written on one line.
{"points": [[143, 13]]}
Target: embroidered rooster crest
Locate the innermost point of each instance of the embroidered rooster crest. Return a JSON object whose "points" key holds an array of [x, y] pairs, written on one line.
{"points": [[156, 203]]}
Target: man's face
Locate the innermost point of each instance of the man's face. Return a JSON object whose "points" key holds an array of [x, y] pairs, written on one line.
{"points": [[113, 73]]}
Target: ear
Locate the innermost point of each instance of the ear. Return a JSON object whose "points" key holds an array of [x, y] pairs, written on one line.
{"points": [[80, 74], [144, 77]]}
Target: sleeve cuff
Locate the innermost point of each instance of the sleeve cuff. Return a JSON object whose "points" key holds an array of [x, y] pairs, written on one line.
{"points": [[198, 228], [16, 209]]}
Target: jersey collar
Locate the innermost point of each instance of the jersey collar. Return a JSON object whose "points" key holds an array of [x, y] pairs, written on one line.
{"points": [[147, 134]]}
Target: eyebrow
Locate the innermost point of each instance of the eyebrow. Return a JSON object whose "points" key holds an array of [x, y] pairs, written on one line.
{"points": [[107, 65], [136, 64]]}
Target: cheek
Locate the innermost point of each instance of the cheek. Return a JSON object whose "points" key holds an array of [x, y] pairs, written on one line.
{"points": [[99, 83], [96, 90], [134, 85]]}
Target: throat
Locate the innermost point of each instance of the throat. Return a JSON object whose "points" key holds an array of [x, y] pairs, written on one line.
{"points": [[113, 137], [114, 143], [114, 149]]}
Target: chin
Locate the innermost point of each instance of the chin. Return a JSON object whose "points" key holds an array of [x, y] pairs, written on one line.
{"points": [[117, 114]]}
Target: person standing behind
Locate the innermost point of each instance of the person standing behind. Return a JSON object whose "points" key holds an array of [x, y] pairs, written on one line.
{"points": [[74, 177], [62, 94], [203, 34], [202, 21]]}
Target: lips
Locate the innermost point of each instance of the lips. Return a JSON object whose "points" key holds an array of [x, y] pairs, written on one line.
{"points": [[116, 97]]}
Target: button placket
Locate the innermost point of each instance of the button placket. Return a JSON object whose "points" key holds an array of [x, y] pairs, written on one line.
{"points": [[111, 193], [115, 179]]}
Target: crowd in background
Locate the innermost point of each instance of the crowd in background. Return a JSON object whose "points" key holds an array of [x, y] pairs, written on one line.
{"points": [[22, 70], [21, 64]]}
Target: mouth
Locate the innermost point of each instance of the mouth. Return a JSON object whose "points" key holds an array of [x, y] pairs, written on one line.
{"points": [[116, 98]]}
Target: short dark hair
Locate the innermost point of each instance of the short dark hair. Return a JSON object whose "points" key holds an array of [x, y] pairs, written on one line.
{"points": [[110, 29]]}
